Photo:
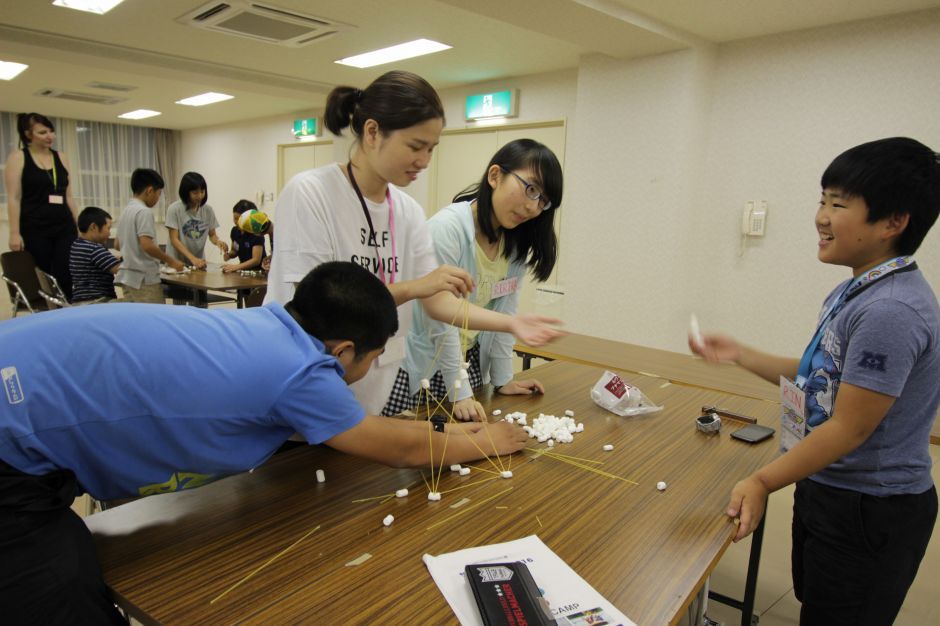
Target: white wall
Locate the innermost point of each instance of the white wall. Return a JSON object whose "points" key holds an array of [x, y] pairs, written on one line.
{"points": [[652, 222]]}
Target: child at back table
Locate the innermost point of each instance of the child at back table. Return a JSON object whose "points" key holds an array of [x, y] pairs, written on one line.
{"points": [[247, 247], [865, 504], [91, 264]]}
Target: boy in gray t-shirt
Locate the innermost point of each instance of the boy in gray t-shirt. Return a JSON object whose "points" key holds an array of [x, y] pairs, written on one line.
{"points": [[865, 504], [140, 268]]}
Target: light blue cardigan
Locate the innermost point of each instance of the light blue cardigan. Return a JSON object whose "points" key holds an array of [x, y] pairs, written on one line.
{"points": [[453, 233]]}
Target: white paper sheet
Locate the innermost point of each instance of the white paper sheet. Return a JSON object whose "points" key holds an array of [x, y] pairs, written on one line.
{"points": [[574, 602]]}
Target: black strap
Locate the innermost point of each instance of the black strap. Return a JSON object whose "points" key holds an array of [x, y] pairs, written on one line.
{"points": [[373, 239]]}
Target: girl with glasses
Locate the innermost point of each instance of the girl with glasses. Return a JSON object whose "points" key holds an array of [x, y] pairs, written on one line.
{"points": [[496, 230]]}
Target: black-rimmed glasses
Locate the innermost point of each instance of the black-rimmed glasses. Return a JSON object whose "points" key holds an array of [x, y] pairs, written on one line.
{"points": [[531, 191]]}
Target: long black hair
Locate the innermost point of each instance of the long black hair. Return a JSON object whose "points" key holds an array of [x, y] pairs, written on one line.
{"points": [[534, 240], [395, 100]]}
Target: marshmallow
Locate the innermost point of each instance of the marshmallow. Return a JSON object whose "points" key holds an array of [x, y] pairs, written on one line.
{"points": [[401, 493], [608, 447], [425, 383], [464, 471], [321, 476], [457, 384], [388, 520], [506, 474], [569, 413], [434, 496], [661, 486], [551, 443], [455, 468], [497, 413]]}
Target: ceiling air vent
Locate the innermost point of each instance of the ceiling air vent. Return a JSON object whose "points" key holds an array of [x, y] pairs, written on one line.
{"points": [[78, 96], [263, 22], [110, 86]]}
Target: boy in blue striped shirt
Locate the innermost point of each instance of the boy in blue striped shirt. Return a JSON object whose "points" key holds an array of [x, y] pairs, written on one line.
{"points": [[92, 266]]}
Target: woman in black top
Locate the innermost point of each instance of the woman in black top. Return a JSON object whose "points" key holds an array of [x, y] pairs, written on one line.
{"points": [[41, 209]]}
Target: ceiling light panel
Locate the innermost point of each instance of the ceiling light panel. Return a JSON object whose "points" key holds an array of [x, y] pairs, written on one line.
{"points": [[99, 7], [203, 99], [408, 50], [10, 70], [139, 114]]}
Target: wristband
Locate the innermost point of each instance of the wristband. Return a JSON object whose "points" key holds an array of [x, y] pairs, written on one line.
{"points": [[438, 421]]}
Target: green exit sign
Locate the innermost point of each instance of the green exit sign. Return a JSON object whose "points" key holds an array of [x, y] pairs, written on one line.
{"points": [[305, 128], [498, 104]]}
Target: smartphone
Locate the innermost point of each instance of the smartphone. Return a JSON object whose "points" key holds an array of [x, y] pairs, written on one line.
{"points": [[753, 433]]}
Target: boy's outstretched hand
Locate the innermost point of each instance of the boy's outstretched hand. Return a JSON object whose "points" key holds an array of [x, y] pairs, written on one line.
{"points": [[748, 501], [535, 330], [501, 438], [716, 348]]}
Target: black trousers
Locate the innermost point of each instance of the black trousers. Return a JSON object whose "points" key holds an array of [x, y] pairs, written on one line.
{"points": [[49, 571], [854, 555], [51, 251]]}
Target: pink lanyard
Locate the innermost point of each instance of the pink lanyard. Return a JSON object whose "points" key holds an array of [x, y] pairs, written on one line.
{"points": [[372, 234]]}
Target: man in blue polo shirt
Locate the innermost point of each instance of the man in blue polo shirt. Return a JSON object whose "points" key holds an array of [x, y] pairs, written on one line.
{"points": [[137, 399]]}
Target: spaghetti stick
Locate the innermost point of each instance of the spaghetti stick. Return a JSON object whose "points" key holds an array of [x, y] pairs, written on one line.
{"points": [[469, 508], [567, 456], [271, 560], [479, 482]]}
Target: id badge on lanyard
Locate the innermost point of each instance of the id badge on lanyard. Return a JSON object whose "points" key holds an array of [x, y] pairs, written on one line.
{"points": [[792, 415], [55, 197], [504, 288]]}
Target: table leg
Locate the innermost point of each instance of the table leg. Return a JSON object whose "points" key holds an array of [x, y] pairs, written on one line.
{"points": [[750, 585]]}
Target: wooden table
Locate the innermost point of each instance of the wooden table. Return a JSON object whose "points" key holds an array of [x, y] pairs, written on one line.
{"points": [[673, 366], [201, 281], [167, 557], [679, 368]]}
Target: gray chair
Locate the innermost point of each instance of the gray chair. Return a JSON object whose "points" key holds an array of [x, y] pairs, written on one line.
{"points": [[50, 291], [19, 273]]}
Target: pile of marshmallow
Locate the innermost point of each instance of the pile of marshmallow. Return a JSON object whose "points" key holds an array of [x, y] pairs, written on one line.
{"points": [[547, 428]]}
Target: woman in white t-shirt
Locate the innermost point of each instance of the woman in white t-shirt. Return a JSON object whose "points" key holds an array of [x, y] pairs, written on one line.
{"points": [[497, 229], [357, 212]]}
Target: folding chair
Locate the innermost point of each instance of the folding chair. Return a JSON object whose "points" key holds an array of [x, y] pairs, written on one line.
{"points": [[50, 291], [19, 273]]}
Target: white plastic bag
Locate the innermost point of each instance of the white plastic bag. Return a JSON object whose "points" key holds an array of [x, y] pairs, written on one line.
{"points": [[611, 393]]}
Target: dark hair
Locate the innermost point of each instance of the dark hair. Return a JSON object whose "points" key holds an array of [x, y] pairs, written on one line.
{"points": [[340, 300], [895, 176], [143, 178], [533, 241], [25, 123], [92, 215], [395, 100], [244, 205], [191, 181]]}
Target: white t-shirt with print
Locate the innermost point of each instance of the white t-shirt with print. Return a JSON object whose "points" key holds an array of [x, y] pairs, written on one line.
{"points": [[320, 219]]}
